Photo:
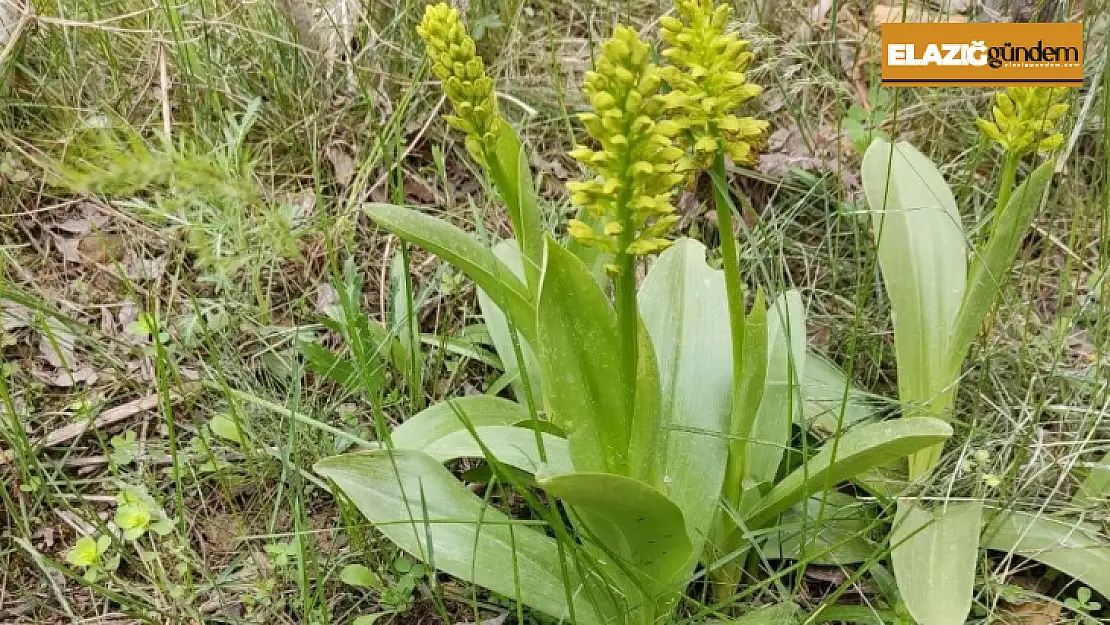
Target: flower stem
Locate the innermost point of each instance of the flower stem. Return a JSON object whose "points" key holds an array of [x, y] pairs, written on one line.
{"points": [[628, 320], [730, 262], [1005, 185]]}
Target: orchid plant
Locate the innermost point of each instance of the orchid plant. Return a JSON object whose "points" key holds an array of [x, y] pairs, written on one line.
{"points": [[654, 414]]}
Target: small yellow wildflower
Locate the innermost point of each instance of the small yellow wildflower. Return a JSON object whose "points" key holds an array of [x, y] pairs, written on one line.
{"points": [[637, 165], [708, 82], [457, 64], [1025, 119]]}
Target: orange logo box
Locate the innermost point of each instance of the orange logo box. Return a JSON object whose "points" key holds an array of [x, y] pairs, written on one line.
{"points": [[982, 55]]}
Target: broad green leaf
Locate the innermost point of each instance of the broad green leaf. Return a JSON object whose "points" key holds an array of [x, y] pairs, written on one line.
{"points": [[786, 357], [498, 326], [1080, 550], [464, 252], [685, 310], [1095, 488], [584, 383], [934, 556], [436, 421], [990, 268], [829, 533], [923, 256], [631, 520], [826, 393], [225, 426], [859, 449], [360, 575], [514, 446], [422, 508], [513, 179]]}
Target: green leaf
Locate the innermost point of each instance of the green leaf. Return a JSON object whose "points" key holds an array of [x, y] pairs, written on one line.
{"points": [[832, 534], [422, 508], [752, 385], [462, 346], [990, 268], [498, 327], [323, 361], [439, 420], [777, 614], [685, 310], [934, 556], [514, 446], [224, 426], [823, 397], [635, 522], [513, 179], [786, 356], [859, 449], [360, 575], [463, 251], [923, 256], [1078, 549], [369, 339], [584, 383], [403, 334], [1095, 488]]}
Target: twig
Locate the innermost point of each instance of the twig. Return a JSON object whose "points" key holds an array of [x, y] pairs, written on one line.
{"points": [[110, 417]]}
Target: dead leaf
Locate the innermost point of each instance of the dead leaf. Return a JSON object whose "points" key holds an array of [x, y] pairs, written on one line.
{"points": [[68, 248], [13, 315], [64, 378], [128, 312], [107, 321], [136, 267], [497, 620], [304, 202], [788, 149], [832, 575], [551, 165], [99, 247], [342, 163], [57, 344], [92, 220], [419, 190], [326, 297], [886, 13], [1033, 613]]}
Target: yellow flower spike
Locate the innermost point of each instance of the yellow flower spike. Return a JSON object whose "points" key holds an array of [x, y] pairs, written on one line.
{"points": [[636, 161], [708, 82], [456, 63], [1026, 119]]}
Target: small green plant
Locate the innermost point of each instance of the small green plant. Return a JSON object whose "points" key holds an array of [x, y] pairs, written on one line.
{"points": [[1082, 605], [138, 513], [941, 290], [865, 124], [89, 553], [124, 448], [636, 413]]}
